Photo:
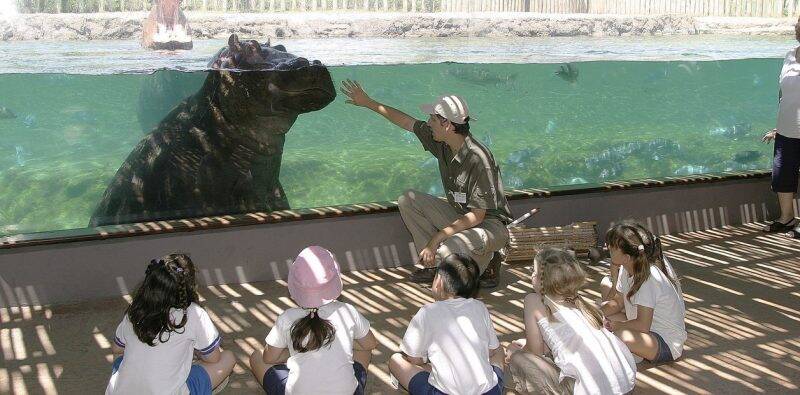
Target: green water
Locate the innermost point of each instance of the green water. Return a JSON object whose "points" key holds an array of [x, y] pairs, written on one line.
{"points": [[620, 120]]}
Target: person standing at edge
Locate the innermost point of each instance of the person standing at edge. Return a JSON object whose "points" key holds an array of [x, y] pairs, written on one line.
{"points": [[473, 219]]}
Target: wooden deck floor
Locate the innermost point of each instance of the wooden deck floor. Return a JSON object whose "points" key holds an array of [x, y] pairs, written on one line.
{"points": [[742, 291]]}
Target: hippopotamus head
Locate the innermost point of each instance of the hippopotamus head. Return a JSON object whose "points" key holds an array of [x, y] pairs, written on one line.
{"points": [[267, 87]]}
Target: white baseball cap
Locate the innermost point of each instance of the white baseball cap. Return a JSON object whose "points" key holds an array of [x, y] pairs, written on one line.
{"points": [[451, 107]]}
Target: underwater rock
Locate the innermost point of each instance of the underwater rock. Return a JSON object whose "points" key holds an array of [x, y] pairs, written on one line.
{"points": [[5, 113], [748, 156], [220, 151], [568, 72], [688, 170], [479, 76]]}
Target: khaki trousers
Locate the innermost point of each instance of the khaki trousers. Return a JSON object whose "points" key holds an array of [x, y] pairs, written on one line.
{"points": [[534, 374], [424, 215]]}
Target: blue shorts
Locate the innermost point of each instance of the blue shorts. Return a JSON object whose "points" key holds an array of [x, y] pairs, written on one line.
{"points": [[664, 353], [199, 382], [785, 164], [275, 379], [419, 384]]}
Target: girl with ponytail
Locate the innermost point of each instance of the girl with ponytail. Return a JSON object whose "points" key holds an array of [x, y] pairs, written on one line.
{"points": [[642, 299], [322, 346], [566, 349], [162, 329]]}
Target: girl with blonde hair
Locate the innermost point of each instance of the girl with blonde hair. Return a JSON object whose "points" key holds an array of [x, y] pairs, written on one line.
{"points": [[585, 358]]}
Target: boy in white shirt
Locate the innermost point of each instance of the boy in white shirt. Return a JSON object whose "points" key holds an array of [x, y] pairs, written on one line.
{"points": [[450, 346]]}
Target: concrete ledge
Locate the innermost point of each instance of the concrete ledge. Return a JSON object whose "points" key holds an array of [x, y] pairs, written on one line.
{"points": [[86, 270]]}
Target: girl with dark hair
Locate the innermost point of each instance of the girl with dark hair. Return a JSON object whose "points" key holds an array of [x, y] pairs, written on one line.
{"points": [[162, 329], [321, 347], [642, 299]]}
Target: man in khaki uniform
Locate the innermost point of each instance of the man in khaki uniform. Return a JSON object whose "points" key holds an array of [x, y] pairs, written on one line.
{"points": [[473, 219]]}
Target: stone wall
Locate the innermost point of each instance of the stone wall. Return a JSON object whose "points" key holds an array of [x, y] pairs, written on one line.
{"points": [[127, 26]]}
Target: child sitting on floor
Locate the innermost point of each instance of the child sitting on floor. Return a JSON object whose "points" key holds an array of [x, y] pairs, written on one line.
{"points": [[323, 346], [455, 334], [163, 327], [586, 358], [642, 299]]}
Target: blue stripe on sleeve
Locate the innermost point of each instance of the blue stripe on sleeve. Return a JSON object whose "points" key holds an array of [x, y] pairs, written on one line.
{"points": [[210, 348], [118, 342]]}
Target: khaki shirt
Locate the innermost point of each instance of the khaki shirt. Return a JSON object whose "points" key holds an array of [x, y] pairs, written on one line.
{"points": [[471, 175]]}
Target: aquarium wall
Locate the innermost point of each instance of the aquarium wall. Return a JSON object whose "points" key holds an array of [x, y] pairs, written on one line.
{"points": [[65, 136]]}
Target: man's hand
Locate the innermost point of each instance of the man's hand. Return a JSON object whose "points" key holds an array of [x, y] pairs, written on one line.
{"points": [[355, 94], [427, 256], [769, 136]]}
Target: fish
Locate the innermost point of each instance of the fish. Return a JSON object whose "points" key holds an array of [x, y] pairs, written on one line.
{"points": [[436, 189], [29, 120], [733, 131], [521, 158], [487, 140], [430, 163], [748, 156], [568, 73], [5, 113], [691, 169], [480, 76], [551, 127], [511, 180], [21, 155]]}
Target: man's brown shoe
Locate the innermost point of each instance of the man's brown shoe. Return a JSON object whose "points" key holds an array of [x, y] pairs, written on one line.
{"points": [[491, 276], [423, 276]]}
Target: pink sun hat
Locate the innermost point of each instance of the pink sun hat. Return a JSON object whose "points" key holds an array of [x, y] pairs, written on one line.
{"points": [[314, 278]]}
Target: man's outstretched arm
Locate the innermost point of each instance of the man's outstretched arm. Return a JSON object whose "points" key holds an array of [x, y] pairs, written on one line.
{"points": [[357, 97]]}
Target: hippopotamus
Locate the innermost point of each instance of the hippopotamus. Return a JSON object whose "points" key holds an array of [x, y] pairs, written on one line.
{"points": [[166, 27], [219, 151]]}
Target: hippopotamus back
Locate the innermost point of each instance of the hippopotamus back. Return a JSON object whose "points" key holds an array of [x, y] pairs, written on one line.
{"points": [[219, 151]]}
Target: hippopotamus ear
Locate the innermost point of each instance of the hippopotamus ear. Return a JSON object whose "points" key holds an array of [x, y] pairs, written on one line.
{"points": [[233, 42]]}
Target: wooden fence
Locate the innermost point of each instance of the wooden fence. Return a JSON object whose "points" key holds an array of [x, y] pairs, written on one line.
{"points": [[757, 8]]}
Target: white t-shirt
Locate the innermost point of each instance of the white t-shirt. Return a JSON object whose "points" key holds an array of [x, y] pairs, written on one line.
{"points": [[163, 368], [659, 294], [328, 369], [456, 336], [599, 362], [789, 107]]}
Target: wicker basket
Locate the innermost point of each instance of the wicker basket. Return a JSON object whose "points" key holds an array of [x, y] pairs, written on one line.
{"points": [[524, 243]]}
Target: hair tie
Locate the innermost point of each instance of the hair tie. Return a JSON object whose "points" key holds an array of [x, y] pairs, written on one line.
{"points": [[571, 300], [313, 312], [153, 264], [640, 247]]}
